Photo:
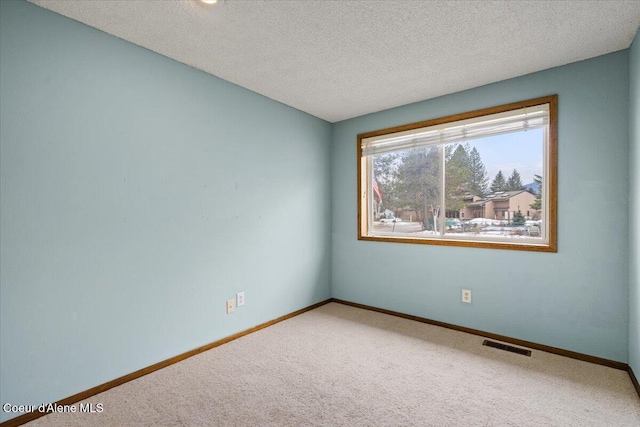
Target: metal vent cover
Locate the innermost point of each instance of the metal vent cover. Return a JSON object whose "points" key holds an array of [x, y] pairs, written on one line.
{"points": [[507, 347]]}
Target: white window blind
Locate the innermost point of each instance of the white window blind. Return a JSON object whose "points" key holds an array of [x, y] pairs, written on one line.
{"points": [[462, 130]]}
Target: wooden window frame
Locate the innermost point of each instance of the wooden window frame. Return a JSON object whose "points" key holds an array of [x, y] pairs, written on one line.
{"points": [[551, 160]]}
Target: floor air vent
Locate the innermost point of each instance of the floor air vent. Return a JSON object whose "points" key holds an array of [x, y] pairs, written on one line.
{"points": [[506, 347]]}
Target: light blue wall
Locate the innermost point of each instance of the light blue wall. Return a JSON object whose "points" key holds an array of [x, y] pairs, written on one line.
{"points": [[137, 196], [575, 299], [634, 207]]}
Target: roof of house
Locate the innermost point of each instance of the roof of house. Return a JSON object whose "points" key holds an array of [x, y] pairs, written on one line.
{"points": [[501, 196], [498, 196]]}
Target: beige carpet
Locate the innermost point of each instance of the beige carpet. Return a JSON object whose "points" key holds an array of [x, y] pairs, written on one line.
{"points": [[339, 365]]}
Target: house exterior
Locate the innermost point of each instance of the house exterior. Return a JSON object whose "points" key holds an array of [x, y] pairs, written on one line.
{"points": [[500, 205]]}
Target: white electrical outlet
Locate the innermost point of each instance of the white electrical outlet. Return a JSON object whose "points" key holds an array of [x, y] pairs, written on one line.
{"points": [[240, 299], [230, 306], [466, 296]]}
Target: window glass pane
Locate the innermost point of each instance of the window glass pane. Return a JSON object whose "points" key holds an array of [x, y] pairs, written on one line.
{"points": [[406, 187], [493, 186], [486, 179]]}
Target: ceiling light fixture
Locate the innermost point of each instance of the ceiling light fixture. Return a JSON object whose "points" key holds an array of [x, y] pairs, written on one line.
{"points": [[209, 1]]}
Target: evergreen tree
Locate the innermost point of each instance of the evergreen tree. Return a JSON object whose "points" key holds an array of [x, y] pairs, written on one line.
{"points": [[457, 177], [499, 183], [478, 174], [537, 204], [514, 182], [518, 218]]}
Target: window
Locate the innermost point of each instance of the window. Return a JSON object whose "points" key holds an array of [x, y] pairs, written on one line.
{"points": [[485, 179]]}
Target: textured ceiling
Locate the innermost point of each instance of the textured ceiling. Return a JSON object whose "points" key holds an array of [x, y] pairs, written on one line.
{"points": [[341, 59]]}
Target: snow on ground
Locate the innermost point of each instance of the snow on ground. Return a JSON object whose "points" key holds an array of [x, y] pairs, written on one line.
{"points": [[485, 233], [477, 227]]}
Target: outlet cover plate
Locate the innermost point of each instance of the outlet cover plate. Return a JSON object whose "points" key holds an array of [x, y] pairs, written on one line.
{"points": [[466, 296], [230, 306], [240, 299]]}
